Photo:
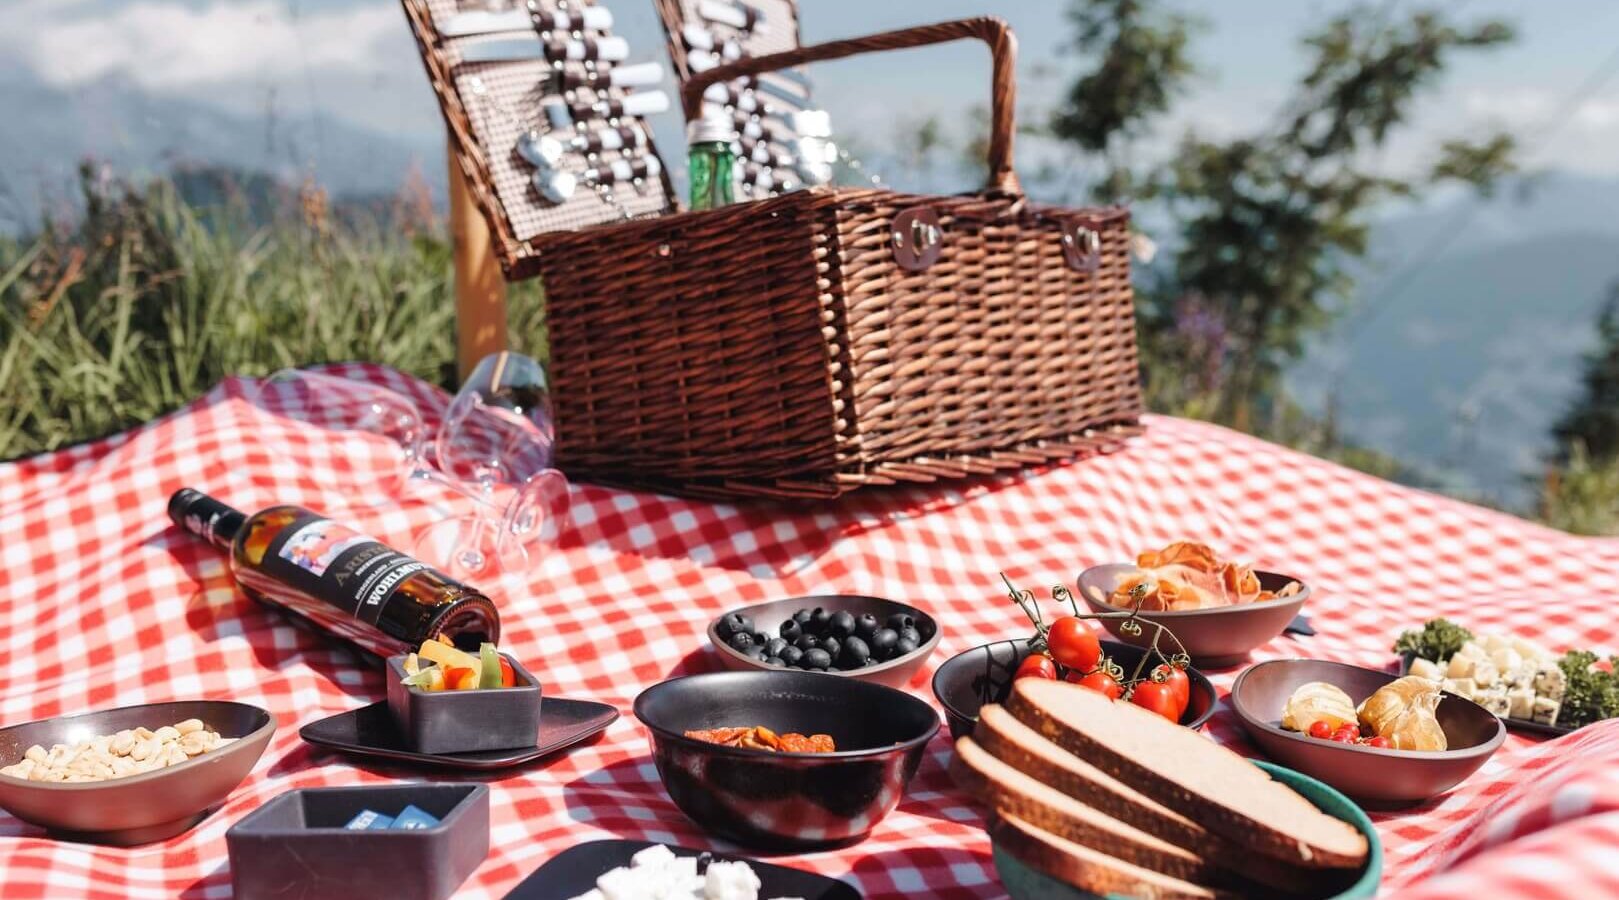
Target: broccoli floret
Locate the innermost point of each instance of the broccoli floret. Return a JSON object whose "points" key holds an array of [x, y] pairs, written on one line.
{"points": [[1438, 640], [1591, 694]]}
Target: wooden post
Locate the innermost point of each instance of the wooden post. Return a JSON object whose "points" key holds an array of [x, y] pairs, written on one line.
{"points": [[480, 289]]}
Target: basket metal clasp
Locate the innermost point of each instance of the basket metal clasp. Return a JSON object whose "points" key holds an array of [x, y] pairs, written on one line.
{"points": [[1082, 244], [917, 238]]}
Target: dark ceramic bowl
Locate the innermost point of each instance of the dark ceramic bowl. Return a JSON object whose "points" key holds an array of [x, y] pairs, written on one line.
{"points": [[1215, 638], [1384, 778], [786, 801], [983, 675], [767, 617], [296, 845], [137, 809], [1023, 882], [465, 721]]}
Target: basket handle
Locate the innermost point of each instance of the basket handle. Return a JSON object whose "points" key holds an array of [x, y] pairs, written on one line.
{"points": [[992, 30]]}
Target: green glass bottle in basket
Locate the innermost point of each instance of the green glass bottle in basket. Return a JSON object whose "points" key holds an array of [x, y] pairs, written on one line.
{"points": [[713, 181]]}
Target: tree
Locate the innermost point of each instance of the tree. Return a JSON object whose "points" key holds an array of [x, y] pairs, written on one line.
{"points": [[1593, 421], [1270, 223]]}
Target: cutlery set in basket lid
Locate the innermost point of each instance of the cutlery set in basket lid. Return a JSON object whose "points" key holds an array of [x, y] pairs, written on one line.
{"points": [[803, 343]]}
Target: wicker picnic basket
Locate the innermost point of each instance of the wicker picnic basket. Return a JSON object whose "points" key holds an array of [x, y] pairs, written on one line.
{"points": [[831, 338]]}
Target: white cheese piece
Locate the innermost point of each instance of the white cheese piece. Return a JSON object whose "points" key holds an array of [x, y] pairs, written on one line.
{"points": [[730, 881], [1530, 650], [1426, 668], [1494, 701], [1506, 660], [1550, 682], [1461, 666], [1461, 687], [1493, 642], [655, 855], [1484, 673], [1473, 650], [1521, 703], [626, 884], [1546, 710], [592, 894]]}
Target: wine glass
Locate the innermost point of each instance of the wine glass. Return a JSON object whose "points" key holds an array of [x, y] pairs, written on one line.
{"points": [[344, 404], [494, 445]]}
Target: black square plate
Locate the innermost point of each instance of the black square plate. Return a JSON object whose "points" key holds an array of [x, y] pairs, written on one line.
{"points": [[372, 731], [575, 870]]}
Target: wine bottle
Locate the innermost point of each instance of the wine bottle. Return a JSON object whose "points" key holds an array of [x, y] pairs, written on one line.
{"points": [[344, 583]]}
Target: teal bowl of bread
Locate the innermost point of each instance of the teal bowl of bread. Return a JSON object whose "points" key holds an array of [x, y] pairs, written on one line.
{"points": [[1094, 798]]}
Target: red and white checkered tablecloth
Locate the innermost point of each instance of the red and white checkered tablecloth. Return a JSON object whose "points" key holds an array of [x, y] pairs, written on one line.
{"points": [[103, 603]]}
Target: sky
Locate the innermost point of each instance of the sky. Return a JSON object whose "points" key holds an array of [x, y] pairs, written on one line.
{"points": [[354, 62]]}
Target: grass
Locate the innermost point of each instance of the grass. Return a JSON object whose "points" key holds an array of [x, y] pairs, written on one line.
{"points": [[147, 301]]}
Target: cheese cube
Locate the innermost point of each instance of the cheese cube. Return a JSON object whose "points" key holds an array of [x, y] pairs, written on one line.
{"points": [[1494, 642], [1461, 666], [1495, 701], [1521, 703], [730, 881], [1426, 668], [1473, 650], [626, 884], [1507, 660], [1484, 673], [1546, 710], [1530, 650], [1549, 681], [1461, 687], [655, 855]]}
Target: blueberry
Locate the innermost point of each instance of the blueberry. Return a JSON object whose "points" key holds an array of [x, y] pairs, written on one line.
{"points": [[855, 653], [866, 625], [791, 629], [733, 623], [904, 646], [791, 655], [818, 621], [842, 624], [741, 640], [774, 646], [776, 661], [831, 645], [817, 659], [899, 621], [911, 634], [882, 643], [755, 652], [805, 641]]}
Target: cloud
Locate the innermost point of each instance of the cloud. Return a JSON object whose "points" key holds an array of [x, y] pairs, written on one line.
{"points": [[168, 46]]}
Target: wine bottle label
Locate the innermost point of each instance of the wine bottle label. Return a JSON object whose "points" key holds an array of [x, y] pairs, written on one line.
{"points": [[341, 567]]}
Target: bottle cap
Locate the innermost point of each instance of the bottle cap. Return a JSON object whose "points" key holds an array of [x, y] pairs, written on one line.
{"points": [[710, 129]]}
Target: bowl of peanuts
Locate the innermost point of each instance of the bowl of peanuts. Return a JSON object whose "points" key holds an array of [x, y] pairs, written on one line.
{"points": [[131, 775]]}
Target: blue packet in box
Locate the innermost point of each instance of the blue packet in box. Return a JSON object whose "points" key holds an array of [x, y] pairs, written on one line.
{"points": [[370, 820], [413, 817]]}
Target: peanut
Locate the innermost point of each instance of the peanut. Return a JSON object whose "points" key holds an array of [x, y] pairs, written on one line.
{"points": [[128, 752], [189, 726]]}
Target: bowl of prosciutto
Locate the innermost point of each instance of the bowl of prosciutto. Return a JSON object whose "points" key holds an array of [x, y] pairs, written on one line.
{"points": [[1220, 610]]}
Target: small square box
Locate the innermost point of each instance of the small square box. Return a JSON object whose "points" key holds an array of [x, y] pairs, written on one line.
{"points": [[296, 845], [465, 721]]}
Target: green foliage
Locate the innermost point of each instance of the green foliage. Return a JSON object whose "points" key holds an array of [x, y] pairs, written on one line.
{"points": [[1438, 640], [1590, 694], [1593, 420], [1582, 495], [1142, 63], [146, 303]]}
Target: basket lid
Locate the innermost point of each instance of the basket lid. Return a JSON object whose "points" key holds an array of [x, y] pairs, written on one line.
{"points": [[545, 117]]}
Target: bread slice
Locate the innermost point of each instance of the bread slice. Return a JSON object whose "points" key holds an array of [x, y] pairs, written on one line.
{"points": [[1088, 869], [1056, 770], [1012, 793], [1187, 772]]}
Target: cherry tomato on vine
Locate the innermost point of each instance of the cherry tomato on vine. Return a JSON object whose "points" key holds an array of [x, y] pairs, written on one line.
{"points": [[1347, 729], [1379, 741], [1099, 681], [1036, 665], [1321, 729], [1155, 697], [1073, 644], [1178, 683]]}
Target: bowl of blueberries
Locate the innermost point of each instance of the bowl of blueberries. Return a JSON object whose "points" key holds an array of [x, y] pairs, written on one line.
{"points": [[865, 638]]}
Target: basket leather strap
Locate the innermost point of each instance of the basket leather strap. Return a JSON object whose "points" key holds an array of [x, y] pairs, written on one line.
{"points": [[992, 30]]}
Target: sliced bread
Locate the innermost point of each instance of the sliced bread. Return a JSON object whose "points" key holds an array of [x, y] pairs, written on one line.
{"points": [[1012, 793], [1187, 772], [1056, 770], [1088, 869]]}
